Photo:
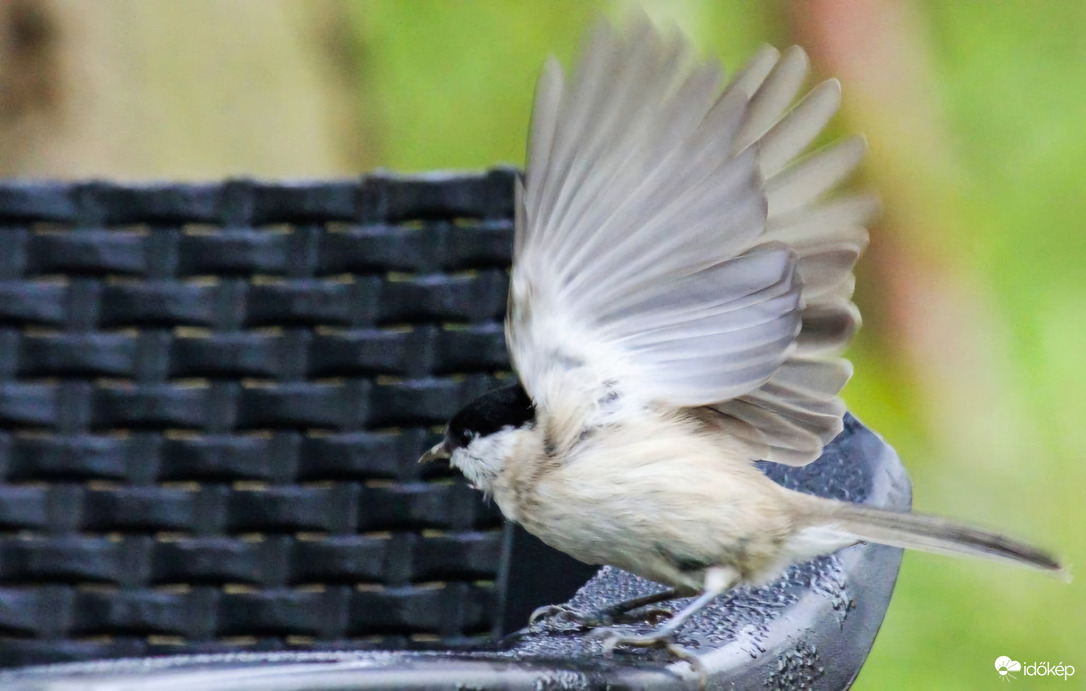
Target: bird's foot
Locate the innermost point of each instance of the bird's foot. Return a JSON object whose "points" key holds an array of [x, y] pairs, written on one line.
{"points": [[560, 619], [625, 636], [620, 636], [564, 619]]}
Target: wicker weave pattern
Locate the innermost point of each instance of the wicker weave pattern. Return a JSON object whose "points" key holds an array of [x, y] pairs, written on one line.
{"points": [[211, 399]]}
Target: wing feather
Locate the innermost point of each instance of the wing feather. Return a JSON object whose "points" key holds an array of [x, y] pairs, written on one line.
{"points": [[789, 137], [548, 99], [670, 243], [806, 181], [773, 96]]}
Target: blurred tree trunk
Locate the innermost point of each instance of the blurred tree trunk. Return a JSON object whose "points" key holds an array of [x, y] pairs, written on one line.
{"points": [[194, 89]]}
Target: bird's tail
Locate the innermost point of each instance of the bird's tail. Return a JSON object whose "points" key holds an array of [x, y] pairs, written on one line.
{"points": [[938, 535]]}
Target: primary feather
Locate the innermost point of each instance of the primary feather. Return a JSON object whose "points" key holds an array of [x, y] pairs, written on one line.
{"points": [[671, 243]]}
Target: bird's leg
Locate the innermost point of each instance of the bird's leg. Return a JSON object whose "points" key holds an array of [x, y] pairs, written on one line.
{"points": [[718, 580], [562, 617], [620, 609]]}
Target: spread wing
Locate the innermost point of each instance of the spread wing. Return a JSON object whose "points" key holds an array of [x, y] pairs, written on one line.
{"points": [[669, 244]]}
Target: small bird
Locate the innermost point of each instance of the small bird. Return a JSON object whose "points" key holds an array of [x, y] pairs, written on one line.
{"points": [[679, 298]]}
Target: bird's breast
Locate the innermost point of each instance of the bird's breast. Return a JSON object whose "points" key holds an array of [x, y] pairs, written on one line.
{"points": [[653, 498]]}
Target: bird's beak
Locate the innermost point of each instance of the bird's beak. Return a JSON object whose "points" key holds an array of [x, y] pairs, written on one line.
{"points": [[440, 451]]}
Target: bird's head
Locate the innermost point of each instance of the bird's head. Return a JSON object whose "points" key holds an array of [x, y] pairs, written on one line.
{"points": [[480, 437]]}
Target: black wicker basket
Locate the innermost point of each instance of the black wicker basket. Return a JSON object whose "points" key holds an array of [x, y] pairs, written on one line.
{"points": [[211, 402]]}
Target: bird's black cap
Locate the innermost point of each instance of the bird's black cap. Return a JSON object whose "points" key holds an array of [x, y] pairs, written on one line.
{"points": [[491, 412]]}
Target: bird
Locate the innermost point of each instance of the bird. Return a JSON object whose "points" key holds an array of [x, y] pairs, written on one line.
{"points": [[680, 297]]}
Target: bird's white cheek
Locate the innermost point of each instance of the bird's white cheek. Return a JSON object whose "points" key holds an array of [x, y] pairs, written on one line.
{"points": [[482, 460], [466, 465], [479, 471]]}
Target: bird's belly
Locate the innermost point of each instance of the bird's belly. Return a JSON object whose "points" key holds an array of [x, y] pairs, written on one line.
{"points": [[667, 526], [595, 537]]}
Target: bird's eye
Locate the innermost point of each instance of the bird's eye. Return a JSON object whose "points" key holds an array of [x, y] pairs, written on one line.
{"points": [[456, 439]]}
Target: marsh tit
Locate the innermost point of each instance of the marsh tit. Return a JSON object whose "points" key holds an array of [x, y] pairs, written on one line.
{"points": [[680, 293]]}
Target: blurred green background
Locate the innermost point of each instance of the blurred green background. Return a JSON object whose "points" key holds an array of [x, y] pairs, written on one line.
{"points": [[973, 290]]}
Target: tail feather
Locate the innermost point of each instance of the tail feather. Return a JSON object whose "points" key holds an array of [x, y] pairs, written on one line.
{"points": [[938, 535]]}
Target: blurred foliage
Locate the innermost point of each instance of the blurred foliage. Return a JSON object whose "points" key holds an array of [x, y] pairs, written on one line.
{"points": [[973, 290]]}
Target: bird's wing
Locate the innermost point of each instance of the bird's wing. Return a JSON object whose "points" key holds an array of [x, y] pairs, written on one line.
{"points": [[669, 245]]}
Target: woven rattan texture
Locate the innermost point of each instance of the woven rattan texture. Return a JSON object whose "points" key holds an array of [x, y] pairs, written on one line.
{"points": [[211, 402]]}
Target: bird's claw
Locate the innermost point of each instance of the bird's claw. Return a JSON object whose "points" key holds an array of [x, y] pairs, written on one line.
{"points": [[564, 618], [651, 615], [614, 637]]}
